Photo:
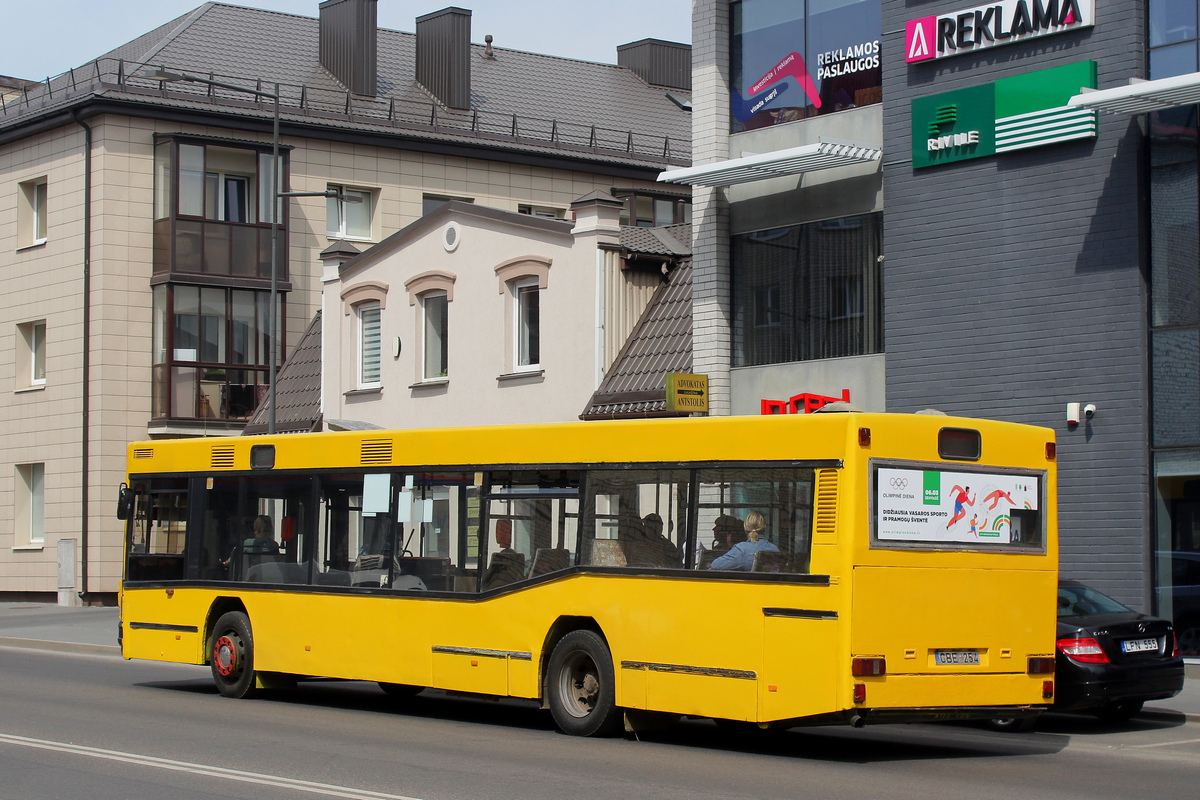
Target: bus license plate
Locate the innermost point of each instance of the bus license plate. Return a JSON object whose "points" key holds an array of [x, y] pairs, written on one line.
{"points": [[1139, 645], [956, 657]]}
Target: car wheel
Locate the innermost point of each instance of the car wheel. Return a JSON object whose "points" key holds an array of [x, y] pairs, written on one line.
{"points": [[1120, 711], [580, 684], [232, 655], [1188, 635], [1011, 724]]}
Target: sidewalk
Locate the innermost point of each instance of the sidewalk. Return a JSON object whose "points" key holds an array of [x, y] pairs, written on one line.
{"points": [[94, 631]]}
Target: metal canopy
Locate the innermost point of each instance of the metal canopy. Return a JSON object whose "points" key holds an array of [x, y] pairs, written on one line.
{"points": [[1140, 97], [793, 161]]}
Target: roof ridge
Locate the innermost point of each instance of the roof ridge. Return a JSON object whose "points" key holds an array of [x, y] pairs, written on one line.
{"points": [[188, 18]]}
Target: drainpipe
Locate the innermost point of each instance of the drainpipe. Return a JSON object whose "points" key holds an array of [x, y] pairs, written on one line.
{"points": [[87, 321]]}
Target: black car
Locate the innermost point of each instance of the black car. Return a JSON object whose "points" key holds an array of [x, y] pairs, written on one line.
{"points": [[1110, 659]]}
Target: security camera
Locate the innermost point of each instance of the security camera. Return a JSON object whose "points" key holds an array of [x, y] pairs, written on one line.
{"points": [[1089, 411]]}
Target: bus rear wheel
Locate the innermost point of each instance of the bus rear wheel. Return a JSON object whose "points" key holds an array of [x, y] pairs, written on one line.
{"points": [[581, 687], [232, 655]]}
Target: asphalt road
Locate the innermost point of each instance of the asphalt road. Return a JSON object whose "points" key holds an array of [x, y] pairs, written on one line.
{"points": [[74, 726]]}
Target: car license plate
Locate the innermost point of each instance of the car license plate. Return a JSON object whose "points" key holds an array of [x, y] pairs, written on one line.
{"points": [[955, 657], [1139, 645]]}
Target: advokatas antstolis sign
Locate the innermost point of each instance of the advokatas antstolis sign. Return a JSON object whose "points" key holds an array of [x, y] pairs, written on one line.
{"points": [[992, 25], [687, 392], [1010, 114]]}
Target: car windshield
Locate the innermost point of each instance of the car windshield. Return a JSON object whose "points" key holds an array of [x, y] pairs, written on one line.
{"points": [[1076, 601]]}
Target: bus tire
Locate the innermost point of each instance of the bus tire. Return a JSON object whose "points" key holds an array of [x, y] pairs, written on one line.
{"points": [[581, 686], [231, 656]]}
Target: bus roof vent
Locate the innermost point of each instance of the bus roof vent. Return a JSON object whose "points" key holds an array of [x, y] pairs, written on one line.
{"points": [[376, 451], [222, 457], [825, 518], [143, 452]]}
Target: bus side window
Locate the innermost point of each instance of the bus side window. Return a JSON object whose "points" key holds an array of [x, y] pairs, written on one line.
{"points": [[159, 532], [255, 529], [728, 497], [637, 518], [533, 525]]}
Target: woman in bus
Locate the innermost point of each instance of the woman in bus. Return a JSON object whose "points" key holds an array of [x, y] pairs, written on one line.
{"points": [[741, 555]]}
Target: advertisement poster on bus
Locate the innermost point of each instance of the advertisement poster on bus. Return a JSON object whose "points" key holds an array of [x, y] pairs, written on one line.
{"points": [[936, 506]]}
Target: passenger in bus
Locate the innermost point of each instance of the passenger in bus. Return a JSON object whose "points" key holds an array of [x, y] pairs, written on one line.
{"points": [[507, 565], [727, 531], [669, 553], [263, 541], [741, 555]]}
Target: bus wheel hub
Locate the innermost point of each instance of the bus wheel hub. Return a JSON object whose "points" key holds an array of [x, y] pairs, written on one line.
{"points": [[225, 654]]}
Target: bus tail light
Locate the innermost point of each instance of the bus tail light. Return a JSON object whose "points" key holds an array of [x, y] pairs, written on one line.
{"points": [[868, 666], [1047, 690], [864, 437], [1051, 451], [1085, 650], [1041, 665], [860, 693]]}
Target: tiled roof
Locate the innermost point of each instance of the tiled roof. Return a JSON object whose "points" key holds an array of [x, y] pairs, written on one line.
{"points": [[661, 342], [669, 240], [298, 388], [559, 101]]}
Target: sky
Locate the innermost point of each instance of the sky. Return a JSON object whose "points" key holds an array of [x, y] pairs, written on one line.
{"points": [[57, 35]]}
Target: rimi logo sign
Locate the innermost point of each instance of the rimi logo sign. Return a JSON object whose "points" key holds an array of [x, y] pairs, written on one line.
{"points": [[1010, 114]]}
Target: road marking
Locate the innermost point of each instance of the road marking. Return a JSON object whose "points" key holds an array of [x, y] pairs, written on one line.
{"points": [[1165, 744], [203, 769]]}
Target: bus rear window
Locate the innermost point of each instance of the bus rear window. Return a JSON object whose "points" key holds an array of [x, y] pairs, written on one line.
{"points": [[959, 444], [921, 506]]}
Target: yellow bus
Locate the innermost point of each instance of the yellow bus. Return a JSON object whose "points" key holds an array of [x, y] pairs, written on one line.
{"points": [[793, 570]]}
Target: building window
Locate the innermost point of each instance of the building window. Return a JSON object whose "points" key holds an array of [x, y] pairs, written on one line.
{"points": [[434, 332], [348, 216], [526, 325], [542, 211], [29, 506], [213, 210], [31, 354], [1172, 38], [431, 201], [211, 350], [807, 292], [839, 66], [31, 213], [368, 344], [651, 210]]}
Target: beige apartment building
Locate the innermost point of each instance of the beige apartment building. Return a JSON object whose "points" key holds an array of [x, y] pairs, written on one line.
{"points": [[136, 223]]}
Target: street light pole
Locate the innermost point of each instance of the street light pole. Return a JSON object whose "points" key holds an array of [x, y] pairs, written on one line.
{"points": [[276, 209]]}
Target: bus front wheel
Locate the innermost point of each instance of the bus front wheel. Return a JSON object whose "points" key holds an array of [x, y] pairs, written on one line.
{"points": [[232, 655], [581, 687]]}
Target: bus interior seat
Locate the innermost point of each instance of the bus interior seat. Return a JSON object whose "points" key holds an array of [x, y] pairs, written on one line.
{"points": [[547, 560], [276, 572], [709, 556], [408, 582], [503, 569], [768, 561], [333, 577], [608, 553], [432, 570]]}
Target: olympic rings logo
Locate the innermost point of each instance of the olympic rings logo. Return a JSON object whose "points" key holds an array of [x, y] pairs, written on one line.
{"points": [[899, 483]]}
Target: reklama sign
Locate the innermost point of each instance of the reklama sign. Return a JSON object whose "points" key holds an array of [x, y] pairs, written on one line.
{"points": [[1003, 22]]}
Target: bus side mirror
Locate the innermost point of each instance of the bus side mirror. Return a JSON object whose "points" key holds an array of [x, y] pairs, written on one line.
{"points": [[124, 502]]}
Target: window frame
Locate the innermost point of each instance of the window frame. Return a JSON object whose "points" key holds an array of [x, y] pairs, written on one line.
{"points": [[360, 344], [339, 205], [520, 286], [32, 221], [30, 355], [29, 506], [444, 372]]}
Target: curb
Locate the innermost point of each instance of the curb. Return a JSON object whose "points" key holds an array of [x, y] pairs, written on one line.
{"points": [[62, 647]]}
